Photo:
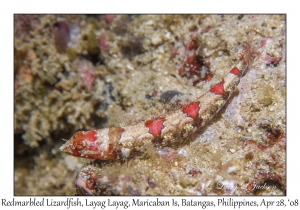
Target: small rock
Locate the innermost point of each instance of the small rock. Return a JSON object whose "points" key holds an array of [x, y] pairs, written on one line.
{"points": [[219, 178], [30, 56], [232, 150], [156, 40], [232, 169], [71, 162]]}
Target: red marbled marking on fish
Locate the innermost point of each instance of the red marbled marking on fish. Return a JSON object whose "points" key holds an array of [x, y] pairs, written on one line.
{"points": [[91, 135], [192, 110], [155, 126], [218, 89], [235, 71], [88, 135]]}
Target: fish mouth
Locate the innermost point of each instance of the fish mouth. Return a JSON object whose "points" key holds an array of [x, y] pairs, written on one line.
{"points": [[66, 148]]}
